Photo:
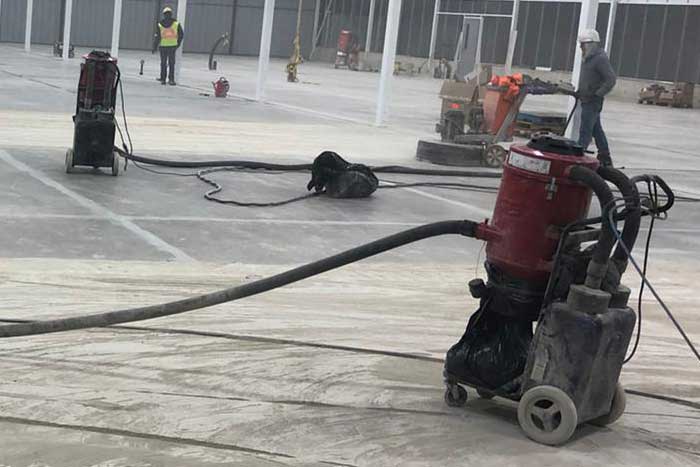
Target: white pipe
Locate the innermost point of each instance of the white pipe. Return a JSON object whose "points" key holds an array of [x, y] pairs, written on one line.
{"points": [[388, 58], [66, 28], [317, 14], [181, 16], [512, 36], [116, 27], [265, 43], [28, 27], [611, 26], [587, 20], [370, 27], [433, 35]]}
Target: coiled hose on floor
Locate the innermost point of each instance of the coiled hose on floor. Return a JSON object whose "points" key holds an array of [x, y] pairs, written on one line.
{"points": [[459, 227]]}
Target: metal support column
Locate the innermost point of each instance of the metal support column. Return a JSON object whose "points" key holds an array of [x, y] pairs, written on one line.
{"points": [[116, 27], [68, 17], [586, 20], [28, 27], [388, 58], [265, 43], [611, 27], [512, 36], [370, 28], [433, 35], [317, 15], [181, 17]]}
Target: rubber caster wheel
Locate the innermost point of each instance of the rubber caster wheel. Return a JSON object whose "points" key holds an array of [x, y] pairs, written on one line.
{"points": [[494, 156], [484, 394], [69, 161], [455, 396], [115, 164], [617, 408], [547, 415]]}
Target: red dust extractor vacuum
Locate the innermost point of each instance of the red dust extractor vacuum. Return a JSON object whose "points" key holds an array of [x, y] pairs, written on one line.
{"points": [[93, 137], [547, 263]]}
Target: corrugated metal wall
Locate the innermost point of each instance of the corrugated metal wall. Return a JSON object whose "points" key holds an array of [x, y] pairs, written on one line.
{"points": [[206, 21], [650, 41]]}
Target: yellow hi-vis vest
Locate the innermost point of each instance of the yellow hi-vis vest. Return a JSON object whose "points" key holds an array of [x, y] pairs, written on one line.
{"points": [[168, 36]]}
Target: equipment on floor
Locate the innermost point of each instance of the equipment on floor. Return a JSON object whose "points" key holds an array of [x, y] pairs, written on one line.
{"points": [[477, 118], [348, 52], [94, 122], [539, 269], [221, 87], [680, 95], [58, 50]]}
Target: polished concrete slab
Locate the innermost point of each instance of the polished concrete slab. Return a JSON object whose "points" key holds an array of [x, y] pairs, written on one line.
{"points": [[341, 369]]}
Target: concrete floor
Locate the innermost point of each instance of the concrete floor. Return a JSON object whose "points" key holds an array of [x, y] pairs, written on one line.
{"points": [[270, 380]]}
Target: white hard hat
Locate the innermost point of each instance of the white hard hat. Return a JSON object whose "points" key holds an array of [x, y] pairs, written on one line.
{"points": [[589, 35], [167, 9]]}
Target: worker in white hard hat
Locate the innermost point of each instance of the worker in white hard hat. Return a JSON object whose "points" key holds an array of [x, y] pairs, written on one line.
{"points": [[596, 81], [168, 38]]}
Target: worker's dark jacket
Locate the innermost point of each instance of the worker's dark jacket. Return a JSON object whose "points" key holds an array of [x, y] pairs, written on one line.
{"points": [[597, 77], [166, 24]]}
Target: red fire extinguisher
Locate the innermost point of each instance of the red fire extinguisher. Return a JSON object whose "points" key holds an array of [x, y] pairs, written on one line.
{"points": [[221, 87]]}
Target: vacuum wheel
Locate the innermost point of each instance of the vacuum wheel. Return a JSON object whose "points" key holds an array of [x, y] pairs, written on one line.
{"points": [[69, 161], [617, 408], [115, 164], [547, 415], [455, 395], [495, 156]]}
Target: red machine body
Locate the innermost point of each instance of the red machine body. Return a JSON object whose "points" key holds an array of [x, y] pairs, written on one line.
{"points": [[345, 48], [98, 81], [221, 87], [535, 200]]}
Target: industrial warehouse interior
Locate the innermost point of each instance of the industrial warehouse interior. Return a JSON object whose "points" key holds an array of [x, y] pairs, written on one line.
{"points": [[349, 232]]}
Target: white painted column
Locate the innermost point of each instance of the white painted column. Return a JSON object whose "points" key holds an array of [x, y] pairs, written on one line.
{"points": [[512, 36], [370, 27], [116, 27], [28, 27], [66, 28], [611, 26], [587, 20], [433, 35], [181, 16], [388, 58], [317, 14], [265, 43]]}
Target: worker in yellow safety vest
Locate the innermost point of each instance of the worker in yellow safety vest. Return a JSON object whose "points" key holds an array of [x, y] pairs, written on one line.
{"points": [[168, 38]]}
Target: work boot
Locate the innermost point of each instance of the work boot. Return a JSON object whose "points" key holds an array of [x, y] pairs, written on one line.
{"points": [[162, 80], [605, 159], [171, 82]]}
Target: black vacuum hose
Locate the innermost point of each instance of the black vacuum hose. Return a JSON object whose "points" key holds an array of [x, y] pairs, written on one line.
{"points": [[393, 169], [633, 216], [463, 227], [601, 255]]}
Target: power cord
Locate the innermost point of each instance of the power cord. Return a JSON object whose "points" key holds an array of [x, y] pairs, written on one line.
{"points": [[651, 288]]}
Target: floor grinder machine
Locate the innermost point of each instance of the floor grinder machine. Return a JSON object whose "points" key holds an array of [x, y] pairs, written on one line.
{"points": [[94, 122], [547, 264]]}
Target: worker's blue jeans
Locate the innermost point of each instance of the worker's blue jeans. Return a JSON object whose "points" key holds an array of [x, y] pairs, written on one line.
{"points": [[591, 127]]}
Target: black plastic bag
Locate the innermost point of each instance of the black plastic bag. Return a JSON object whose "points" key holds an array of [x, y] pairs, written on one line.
{"points": [[493, 350], [341, 179]]}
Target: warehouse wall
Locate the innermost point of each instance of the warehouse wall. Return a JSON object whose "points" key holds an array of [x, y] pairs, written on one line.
{"points": [[650, 41], [206, 21]]}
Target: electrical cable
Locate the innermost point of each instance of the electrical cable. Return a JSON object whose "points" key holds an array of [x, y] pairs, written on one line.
{"points": [[650, 286], [457, 227]]}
